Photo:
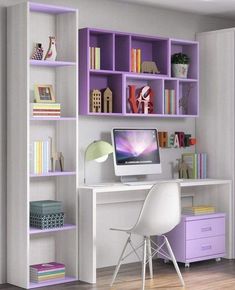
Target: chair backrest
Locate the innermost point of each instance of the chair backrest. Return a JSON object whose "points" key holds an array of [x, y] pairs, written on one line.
{"points": [[161, 211]]}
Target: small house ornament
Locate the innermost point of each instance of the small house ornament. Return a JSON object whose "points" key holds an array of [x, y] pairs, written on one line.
{"points": [[107, 101], [95, 101], [51, 52]]}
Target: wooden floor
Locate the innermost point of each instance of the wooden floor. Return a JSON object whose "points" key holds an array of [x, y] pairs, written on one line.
{"points": [[207, 275]]}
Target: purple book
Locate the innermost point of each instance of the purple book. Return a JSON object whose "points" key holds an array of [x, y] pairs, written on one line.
{"points": [[47, 266]]}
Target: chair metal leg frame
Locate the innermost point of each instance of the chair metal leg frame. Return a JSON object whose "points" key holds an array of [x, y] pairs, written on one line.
{"points": [[147, 257], [149, 249], [144, 262], [120, 261], [174, 261]]}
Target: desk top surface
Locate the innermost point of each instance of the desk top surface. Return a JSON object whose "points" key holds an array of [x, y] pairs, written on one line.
{"points": [[118, 186]]}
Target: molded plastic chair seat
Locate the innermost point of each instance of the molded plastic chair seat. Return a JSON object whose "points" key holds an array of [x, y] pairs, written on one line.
{"points": [[160, 213]]}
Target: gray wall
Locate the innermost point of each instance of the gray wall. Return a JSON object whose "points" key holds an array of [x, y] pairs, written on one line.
{"points": [[117, 16]]}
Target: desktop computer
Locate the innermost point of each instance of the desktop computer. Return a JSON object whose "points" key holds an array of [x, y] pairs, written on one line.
{"points": [[136, 154]]}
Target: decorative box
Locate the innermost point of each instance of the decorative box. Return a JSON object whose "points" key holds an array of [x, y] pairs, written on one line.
{"points": [[45, 207], [47, 221]]}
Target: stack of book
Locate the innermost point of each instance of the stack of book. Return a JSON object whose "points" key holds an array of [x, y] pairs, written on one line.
{"points": [[45, 110], [94, 57], [197, 164], [40, 157], [136, 60], [197, 210], [46, 214], [169, 102], [46, 272]]}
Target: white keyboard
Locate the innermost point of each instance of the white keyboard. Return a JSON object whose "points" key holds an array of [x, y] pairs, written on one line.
{"points": [[149, 182]]}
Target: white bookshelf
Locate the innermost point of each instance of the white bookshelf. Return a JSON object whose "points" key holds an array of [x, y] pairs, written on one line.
{"points": [[29, 23]]}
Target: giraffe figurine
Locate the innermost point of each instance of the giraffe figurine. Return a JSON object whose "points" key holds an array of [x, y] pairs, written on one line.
{"points": [[56, 158], [51, 52]]}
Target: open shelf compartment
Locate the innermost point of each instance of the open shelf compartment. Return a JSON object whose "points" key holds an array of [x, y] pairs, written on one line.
{"points": [[105, 41], [101, 81], [190, 48], [188, 98], [170, 97], [122, 52], [54, 21], [156, 86], [153, 49]]}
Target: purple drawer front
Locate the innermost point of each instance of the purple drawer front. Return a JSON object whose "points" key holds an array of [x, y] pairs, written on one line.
{"points": [[205, 228], [205, 247]]}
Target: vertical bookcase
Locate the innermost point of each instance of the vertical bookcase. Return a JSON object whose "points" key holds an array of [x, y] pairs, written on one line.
{"points": [[29, 23], [116, 73]]}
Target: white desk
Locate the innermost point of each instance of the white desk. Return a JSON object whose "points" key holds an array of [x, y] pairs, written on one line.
{"points": [[214, 191]]}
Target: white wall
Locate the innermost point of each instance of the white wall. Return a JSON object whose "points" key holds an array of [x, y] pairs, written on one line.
{"points": [[117, 16]]}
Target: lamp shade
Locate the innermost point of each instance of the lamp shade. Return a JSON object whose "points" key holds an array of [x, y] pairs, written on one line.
{"points": [[98, 149]]}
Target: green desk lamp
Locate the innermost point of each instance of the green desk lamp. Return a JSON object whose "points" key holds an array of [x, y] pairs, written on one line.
{"points": [[97, 151]]}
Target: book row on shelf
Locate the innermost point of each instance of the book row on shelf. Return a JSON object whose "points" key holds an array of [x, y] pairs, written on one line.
{"points": [[198, 210], [46, 272], [94, 57], [195, 165], [40, 157], [45, 109], [136, 60]]}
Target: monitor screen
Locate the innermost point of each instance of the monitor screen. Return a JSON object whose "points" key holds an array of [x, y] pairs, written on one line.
{"points": [[136, 152]]}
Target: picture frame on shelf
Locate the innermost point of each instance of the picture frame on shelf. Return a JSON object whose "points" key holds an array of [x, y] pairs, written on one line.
{"points": [[44, 93]]}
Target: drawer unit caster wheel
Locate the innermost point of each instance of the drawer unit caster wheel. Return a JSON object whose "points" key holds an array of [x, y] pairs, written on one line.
{"points": [[187, 265], [218, 259], [166, 261]]}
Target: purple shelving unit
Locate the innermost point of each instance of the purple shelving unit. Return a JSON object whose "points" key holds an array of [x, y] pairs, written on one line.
{"points": [[66, 227], [115, 71], [52, 282], [58, 173]]}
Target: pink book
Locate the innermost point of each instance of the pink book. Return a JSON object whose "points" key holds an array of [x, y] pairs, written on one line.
{"points": [[47, 266]]}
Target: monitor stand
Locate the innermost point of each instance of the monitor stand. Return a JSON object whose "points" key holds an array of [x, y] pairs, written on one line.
{"points": [[133, 178]]}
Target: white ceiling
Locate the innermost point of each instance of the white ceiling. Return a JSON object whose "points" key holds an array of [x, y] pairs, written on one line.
{"points": [[219, 8]]}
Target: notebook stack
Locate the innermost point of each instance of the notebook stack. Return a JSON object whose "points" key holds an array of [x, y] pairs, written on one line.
{"points": [[46, 272], [45, 110], [197, 210], [46, 214]]}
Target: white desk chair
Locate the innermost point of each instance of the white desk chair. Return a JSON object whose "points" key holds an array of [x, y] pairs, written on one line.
{"points": [[160, 213]]}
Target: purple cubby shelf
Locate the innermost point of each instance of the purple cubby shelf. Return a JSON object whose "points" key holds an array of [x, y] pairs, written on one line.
{"points": [[53, 118], [157, 90], [52, 282], [106, 43], [188, 90], [101, 81], [153, 49], [191, 49], [122, 52], [115, 71]]}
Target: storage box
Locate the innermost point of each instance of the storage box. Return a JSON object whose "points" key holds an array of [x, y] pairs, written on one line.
{"points": [[45, 207], [47, 221]]}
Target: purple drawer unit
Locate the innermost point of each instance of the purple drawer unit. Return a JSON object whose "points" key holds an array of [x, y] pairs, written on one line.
{"points": [[198, 238]]}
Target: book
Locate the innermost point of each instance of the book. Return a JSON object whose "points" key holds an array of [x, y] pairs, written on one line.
{"points": [[47, 266], [201, 209], [97, 57], [138, 60]]}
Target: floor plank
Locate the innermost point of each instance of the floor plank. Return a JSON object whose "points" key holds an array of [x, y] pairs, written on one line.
{"points": [[206, 275]]}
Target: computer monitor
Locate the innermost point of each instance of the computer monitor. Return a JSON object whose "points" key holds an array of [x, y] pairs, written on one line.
{"points": [[136, 152]]}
